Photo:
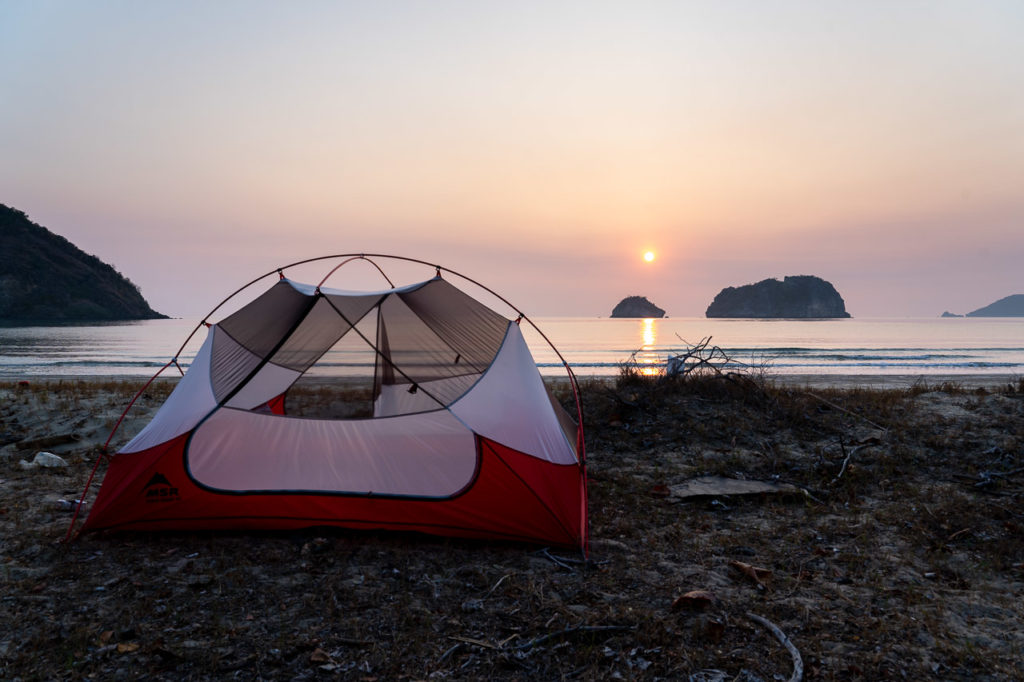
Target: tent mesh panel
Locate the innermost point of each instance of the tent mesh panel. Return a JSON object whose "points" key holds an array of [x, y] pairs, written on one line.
{"points": [[425, 335]]}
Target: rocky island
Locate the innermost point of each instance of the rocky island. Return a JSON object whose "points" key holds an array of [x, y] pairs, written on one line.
{"points": [[637, 306], [799, 296], [1011, 306], [44, 278]]}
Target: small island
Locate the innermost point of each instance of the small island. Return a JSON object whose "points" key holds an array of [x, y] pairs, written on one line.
{"points": [[1010, 306], [45, 279], [798, 296], [637, 306]]}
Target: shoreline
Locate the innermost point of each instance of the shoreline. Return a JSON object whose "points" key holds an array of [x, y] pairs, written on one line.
{"points": [[836, 381], [895, 381]]}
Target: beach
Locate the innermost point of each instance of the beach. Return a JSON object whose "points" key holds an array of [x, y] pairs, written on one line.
{"points": [[891, 546]]}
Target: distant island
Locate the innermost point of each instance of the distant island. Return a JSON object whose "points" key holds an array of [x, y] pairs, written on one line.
{"points": [[637, 306], [798, 296], [1011, 306], [946, 313], [46, 279]]}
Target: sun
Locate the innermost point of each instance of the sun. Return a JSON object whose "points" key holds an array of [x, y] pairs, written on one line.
{"points": [[649, 256]]}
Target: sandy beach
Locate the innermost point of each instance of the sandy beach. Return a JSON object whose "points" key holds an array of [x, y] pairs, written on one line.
{"points": [[893, 547]]}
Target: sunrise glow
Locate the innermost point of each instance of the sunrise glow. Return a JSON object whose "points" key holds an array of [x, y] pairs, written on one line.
{"points": [[747, 140]]}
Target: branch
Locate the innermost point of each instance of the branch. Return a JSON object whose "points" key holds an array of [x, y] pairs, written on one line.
{"points": [[569, 631], [563, 562], [846, 460], [843, 409], [798, 662]]}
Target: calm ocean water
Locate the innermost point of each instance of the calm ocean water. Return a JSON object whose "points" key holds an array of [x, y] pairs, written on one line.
{"points": [[593, 346]]}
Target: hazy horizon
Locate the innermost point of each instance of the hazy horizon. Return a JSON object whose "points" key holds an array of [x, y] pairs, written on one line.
{"points": [[538, 148]]}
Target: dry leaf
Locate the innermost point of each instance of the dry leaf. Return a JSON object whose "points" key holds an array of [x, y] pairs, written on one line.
{"points": [[697, 600], [319, 656], [127, 647], [759, 575]]}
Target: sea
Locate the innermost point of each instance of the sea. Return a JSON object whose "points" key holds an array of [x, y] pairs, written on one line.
{"points": [[593, 347]]}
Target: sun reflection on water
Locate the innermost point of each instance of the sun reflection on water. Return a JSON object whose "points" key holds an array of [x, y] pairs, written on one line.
{"points": [[648, 361]]}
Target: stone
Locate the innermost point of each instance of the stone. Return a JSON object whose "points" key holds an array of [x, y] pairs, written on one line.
{"points": [[47, 460]]}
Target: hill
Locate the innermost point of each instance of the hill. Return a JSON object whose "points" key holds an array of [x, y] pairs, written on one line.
{"points": [[1011, 306], [44, 278], [801, 296]]}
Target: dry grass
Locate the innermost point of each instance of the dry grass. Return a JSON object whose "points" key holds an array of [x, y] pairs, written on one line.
{"points": [[903, 560]]}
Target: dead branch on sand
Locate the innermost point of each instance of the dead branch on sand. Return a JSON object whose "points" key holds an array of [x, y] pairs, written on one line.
{"points": [[798, 662]]}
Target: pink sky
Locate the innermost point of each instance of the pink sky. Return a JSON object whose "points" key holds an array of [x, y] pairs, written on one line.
{"points": [[538, 147]]}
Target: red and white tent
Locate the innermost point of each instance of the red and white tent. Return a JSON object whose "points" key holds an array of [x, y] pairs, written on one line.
{"points": [[464, 439]]}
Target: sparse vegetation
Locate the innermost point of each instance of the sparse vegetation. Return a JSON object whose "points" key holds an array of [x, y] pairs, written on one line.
{"points": [[903, 558]]}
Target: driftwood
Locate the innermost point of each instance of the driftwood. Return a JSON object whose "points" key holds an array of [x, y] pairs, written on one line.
{"points": [[798, 662], [698, 359], [48, 441]]}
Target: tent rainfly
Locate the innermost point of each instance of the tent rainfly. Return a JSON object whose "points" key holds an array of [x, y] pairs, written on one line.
{"points": [[464, 438]]}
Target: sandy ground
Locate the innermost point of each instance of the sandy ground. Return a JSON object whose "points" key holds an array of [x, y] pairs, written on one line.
{"points": [[898, 553]]}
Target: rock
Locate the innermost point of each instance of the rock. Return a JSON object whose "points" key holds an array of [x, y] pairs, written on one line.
{"points": [[637, 306], [800, 296], [47, 460], [1011, 306], [710, 486]]}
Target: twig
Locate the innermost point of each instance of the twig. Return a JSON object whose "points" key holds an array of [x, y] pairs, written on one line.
{"points": [[347, 641], [502, 643], [984, 478], [798, 662], [846, 460], [560, 561], [1006, 509], [474, 642], [1002, 474], [449, 652], [569, 631], [957, 534], [563, 561], [843, 409], [491, 591], [810, 497]]}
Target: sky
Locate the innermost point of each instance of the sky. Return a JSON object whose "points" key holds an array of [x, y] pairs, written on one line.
{"points": [[538, 147]]}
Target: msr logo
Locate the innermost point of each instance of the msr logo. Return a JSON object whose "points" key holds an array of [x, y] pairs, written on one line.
{"points": [[159, 489]]}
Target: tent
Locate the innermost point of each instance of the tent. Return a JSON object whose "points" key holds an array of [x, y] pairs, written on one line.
{"points": [[463, 438]]}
